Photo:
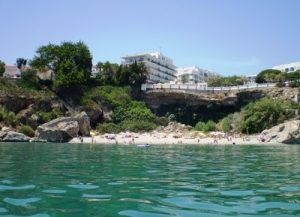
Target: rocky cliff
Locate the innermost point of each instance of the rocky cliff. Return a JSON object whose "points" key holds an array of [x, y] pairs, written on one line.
{"points": [[189, 107]]}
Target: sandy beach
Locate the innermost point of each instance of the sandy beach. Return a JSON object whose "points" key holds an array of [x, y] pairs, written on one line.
{"points": [[167, 139]]}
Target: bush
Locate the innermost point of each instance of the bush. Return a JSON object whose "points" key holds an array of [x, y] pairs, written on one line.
{"points": [[225, 124], [109, 95], [27, 130], [29, 79], [137, 126], [108, 128], [263, 114], [162, 121], [206, 127], [226, 81], [133, 126], [8, 117], [45, 117], [134, 111], [270, 75]]}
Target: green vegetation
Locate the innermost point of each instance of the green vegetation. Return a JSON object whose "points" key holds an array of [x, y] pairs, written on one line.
{"points": [[132, 126], [276, 76], [29, 79], [134, 116], [269, 75], [263, 114], [7, 117], [205, 127], [116, 92], [48, 116], [184, 79], [2, 68], [108, 128], [108, 95], [134, 111], [127, 114], [21, 63], [70, 62], [133, 75], [27, 130], [18, 89], [254, 117], [225, 124], [226, 81]]}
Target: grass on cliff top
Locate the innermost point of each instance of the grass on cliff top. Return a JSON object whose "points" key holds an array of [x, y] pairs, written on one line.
{"points": [[8, 87], [107, 95]]}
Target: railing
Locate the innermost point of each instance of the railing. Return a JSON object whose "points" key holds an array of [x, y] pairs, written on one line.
{"points": [[202, 87]]}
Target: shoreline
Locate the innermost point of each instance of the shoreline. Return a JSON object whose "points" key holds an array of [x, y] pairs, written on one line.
{"points": [[165, 139]]}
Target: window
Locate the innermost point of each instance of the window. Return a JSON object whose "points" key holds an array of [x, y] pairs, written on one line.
{"points": [[286, 69], [292, 69]]}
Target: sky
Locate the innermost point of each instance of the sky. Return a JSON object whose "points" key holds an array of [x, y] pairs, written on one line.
{"points": [[227, 36]]}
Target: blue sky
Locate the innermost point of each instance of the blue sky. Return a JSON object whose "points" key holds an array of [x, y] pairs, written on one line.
{"points": [[228, 36]]}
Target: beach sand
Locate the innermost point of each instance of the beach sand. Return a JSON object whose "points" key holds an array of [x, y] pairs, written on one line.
{"points": [[167, 139]]}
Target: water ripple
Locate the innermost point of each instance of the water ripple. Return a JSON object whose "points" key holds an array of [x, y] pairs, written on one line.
{"points": [[21, 202]]}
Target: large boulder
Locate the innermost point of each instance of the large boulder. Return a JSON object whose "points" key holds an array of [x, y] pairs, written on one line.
{"points": [[12, 136], [4, 132], [95, 114], [65, 128], [287, 132], [84, 124], [58, 130]]}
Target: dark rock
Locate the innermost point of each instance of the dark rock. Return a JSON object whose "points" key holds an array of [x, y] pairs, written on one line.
{"points": [[95, 115], [84, 124]]}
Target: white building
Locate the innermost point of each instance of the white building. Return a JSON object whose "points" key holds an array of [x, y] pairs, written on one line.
{"points": [[193, 75], [161, 68], [95, 71], [12, 71], [290, 67]]}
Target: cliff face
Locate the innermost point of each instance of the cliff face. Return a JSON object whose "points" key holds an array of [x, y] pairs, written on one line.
{"points": [[190, 107]]}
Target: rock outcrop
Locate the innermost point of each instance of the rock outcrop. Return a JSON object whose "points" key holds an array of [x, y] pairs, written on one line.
{"points": [[64, 129], [287, 133], [174, 127], [84, 124], [8, 135], [58, 130], [95, 114]]}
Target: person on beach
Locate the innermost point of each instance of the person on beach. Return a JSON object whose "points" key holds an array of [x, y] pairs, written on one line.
{"points": [[215, 140]]}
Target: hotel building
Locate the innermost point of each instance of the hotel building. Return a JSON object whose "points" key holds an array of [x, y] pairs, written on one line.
{"points": [[290, 67], [161, 68], [193, 75]]}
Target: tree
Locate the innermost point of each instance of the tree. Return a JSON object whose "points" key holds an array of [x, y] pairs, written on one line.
{"points": [[2, 68], [226, 81], [268, 75], [70, 62], [294, 78], [263, 114], [108, 73], [133, 75], [184, 79], [29, 79], [21, 63]]}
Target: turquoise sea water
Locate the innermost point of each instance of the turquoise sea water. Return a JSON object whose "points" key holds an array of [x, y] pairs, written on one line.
{"points": [[42, 180]]}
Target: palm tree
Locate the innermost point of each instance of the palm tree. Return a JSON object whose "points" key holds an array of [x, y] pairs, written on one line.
{"points": [[21, 63]]}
